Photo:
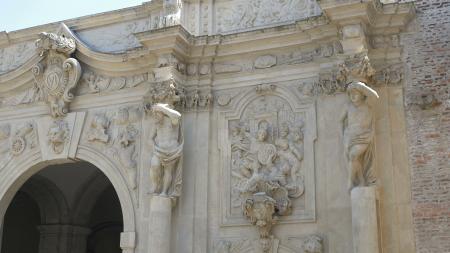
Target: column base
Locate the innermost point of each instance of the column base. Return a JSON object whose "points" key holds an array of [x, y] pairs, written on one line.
{"points": [[160, 224]]}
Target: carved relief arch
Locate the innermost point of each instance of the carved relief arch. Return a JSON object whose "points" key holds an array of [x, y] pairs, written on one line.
{"points": [[270, 130]]}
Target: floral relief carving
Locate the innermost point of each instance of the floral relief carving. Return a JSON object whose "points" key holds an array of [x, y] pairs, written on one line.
{"points": [[23, 136], [58, 74], [15, 139]]}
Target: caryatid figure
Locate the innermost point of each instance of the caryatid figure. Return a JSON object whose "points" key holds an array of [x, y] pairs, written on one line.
{"points": [[358, 131], [165, 170]]}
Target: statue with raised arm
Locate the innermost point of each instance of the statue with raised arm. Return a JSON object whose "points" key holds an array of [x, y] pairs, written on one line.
{"points": [[165, 169], [358, 132]]}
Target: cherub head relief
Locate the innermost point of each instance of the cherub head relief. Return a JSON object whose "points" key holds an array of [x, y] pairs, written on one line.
{"points": [[57, 135], [359, 91]]}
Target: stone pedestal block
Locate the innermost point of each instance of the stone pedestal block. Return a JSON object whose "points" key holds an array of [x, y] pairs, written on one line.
{"points": [[364, 220], [159, 230]]}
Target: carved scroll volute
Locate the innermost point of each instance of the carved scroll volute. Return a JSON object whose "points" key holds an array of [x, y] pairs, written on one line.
{"points": [[57, 74]]}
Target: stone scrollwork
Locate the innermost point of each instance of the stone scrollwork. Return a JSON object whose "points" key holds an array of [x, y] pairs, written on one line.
{"points": [[58, 135], [58, 74]]}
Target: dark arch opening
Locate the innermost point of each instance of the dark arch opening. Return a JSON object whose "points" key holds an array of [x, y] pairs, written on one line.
{"points": [[70, 207]]}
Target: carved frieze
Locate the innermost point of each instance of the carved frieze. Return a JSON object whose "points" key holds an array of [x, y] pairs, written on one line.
{"points": [[268, 150], [302, 244], [95, 83], [197, 99], [58, 74], [239, 15]]}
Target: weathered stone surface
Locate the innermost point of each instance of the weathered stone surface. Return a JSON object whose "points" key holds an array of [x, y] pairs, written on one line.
{"points": [[239, 102]]}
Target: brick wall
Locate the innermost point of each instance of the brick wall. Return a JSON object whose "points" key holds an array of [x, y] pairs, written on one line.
{"points": [[427, 57]]}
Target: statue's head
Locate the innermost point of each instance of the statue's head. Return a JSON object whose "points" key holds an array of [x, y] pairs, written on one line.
{"points": [[261, 135], [284, 129], [359, 91]]}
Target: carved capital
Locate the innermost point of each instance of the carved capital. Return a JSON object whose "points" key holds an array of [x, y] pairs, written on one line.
{"points": [[355, 68]]}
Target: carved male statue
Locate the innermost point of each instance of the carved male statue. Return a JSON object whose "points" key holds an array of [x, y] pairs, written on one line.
{"points": [[358, 132], [168, 148]]}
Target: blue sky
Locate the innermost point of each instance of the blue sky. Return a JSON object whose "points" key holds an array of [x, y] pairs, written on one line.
{"points": [[19, 14]]}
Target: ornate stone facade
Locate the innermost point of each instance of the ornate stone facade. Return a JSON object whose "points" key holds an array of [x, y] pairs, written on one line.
{"points": [[224, 126]]}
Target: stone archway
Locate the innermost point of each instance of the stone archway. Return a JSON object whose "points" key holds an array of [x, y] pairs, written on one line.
{"points": [[18, 171]]}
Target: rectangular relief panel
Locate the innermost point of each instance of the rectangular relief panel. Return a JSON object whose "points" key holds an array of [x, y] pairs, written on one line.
{"points": [[267, 139], [238, 15]]}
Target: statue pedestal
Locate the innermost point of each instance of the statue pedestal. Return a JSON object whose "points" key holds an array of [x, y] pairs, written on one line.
{"points": [[364, 220], [160, 219]]}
